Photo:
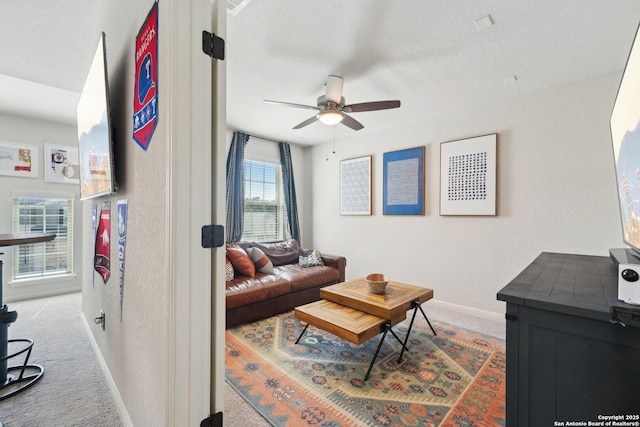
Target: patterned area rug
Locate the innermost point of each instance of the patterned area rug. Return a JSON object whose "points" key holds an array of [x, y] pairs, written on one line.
{"points": [[456, 378]]}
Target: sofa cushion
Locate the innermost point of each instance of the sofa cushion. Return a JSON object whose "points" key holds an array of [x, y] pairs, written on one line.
{"points": [[280, 253], [309, 277], [260, 260], [246, 290], [241, 261]]}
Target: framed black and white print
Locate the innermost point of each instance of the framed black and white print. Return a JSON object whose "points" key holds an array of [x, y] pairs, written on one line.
{"points": [[403, 185], [468, 169], [355, 186]]}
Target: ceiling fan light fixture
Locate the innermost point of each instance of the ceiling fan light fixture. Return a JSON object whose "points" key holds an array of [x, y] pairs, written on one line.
{"points": [[330, 117]]}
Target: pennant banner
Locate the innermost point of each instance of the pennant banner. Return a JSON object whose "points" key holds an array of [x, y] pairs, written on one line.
{"points": [[94, 223], [122, 208], [102, 260], [145, 94]]}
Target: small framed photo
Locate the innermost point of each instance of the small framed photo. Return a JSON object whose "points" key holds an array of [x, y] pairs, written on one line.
{"points": [[355, 186], [18, 160], [61, 164], [403, 186], [468, 176]]}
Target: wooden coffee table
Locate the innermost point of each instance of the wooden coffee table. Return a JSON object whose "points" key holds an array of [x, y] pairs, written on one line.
{"points": [[349, 311]]}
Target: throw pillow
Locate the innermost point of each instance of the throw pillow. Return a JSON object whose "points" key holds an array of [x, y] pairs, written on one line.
{"points": [[280, 253], [305, 252], [309, 261], [260, 260], [228, 270], [241, 262]]}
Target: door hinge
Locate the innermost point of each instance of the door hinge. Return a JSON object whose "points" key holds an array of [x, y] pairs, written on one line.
{"points": [[212, 236], [511, 317], [214, 420], [213, 45]]}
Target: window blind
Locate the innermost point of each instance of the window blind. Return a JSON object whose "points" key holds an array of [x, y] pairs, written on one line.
{"points": [[43, 215], [263, 212]]}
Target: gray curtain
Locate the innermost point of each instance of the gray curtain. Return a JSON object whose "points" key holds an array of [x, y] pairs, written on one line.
{"points": [[289, 188], [235, 186]]}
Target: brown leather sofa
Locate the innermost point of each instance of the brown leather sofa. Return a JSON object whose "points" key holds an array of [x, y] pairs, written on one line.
{"points": [[252, 298]]}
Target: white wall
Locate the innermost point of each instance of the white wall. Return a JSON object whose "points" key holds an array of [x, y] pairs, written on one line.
{"points": [[24, 130], [135, 349], [556, 193], [158, 356]]}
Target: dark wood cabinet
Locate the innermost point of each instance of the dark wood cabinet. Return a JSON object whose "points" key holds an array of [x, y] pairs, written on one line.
{"points": [[573, 349]]}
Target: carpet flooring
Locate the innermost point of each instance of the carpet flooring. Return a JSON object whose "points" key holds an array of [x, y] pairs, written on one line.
{"points": [[455, 378], [73, 391]]}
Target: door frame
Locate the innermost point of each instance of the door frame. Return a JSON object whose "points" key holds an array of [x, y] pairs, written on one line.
{"points": [[196, 374]]}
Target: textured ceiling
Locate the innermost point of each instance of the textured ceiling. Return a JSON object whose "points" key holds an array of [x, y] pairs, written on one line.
{"points": [[428, 54], [46, 50]]}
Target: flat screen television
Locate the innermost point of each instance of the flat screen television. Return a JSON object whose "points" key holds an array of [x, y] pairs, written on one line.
{"points": [[625, 135], [95, 148]]}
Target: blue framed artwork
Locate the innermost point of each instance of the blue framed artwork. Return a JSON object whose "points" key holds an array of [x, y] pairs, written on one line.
{"points": [[403, 185]]}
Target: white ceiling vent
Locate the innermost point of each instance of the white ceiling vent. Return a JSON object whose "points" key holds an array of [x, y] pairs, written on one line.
{"points": [[235, 6]]}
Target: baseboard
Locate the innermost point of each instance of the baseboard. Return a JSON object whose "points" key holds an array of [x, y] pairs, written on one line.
{"points": [[122, 410], [468, 310], [40, 294]]}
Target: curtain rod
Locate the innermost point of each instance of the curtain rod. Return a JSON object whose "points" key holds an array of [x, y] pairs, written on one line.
{"points": [[273, 140], [266, 139]]}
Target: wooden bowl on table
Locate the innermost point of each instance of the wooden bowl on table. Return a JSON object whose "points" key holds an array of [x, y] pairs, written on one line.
{"points": [[377, 283]]}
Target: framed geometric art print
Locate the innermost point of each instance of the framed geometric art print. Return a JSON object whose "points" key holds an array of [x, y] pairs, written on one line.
{"points": [[468, 176], [355, 186]]}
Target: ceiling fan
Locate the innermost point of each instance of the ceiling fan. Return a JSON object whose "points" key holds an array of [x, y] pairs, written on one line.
{"points": [[331, 106]]}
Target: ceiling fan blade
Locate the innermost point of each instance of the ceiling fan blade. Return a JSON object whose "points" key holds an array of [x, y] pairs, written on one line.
{"points": [[351, 122], [306, 122], [371, 106], [290, 104], [333, 89]]}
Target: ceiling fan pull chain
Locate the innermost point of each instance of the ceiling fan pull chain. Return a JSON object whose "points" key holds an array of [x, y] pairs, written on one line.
{"points": [[334, 140]]}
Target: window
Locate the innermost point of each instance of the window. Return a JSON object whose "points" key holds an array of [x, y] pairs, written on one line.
{"points": [[43, 215], [263, 212]]}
